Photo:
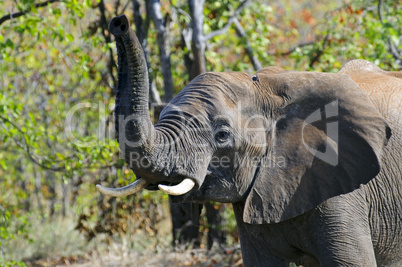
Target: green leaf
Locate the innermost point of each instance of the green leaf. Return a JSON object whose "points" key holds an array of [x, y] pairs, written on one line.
{"points": [[56, 12], [3, 164], [9, 43], [32, 117], [69, 37]]}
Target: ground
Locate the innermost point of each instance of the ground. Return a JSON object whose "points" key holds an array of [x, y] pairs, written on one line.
{"points": [[199, 257], [49, 242]]}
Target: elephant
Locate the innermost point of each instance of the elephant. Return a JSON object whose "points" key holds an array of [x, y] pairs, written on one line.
{"points": [[311, 162]]}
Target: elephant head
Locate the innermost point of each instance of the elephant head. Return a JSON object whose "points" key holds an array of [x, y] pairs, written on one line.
{"points": [[281, 142]]}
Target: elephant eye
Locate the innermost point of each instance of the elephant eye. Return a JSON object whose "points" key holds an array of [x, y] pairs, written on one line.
{"points": [[222, 136]]}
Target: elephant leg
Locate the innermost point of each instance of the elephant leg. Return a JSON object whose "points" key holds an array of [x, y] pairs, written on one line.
{"points": [[253, 257], [306, 261], [342, 232], [254, 251], [347, 252]]}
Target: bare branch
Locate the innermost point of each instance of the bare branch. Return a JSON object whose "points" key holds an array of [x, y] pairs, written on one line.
{"points": [[27, 149], [242, 34], [319, 53], [22, 13], [394, 51], [379, 8], [286, 53], [391, 46], [184, 13], [229, 23], [61, 168]]}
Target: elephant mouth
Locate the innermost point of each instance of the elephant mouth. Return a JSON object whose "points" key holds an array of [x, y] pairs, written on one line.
{"points": [[182, 188], [194, 195]]}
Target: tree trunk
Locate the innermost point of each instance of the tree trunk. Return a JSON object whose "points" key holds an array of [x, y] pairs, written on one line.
{"points": [[185, 228], [38, 192], [75, 186], [51, 183], [162, 26], [64, 203], [216, 233], [198, 44], [142, 33], [26, 201]]}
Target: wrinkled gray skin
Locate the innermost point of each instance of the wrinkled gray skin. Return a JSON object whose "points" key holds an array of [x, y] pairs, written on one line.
{"points": [[310, 161]]}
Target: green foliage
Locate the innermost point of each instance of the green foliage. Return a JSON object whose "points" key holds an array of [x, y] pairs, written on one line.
{"points": [[48, 68], [8, 231], [355, 31]]}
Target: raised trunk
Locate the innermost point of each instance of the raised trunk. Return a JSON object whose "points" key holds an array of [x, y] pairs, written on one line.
{"points": [[134, 129], [142, 146]]}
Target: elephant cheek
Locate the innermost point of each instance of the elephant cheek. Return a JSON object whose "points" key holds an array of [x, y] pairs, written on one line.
{"points": [[246, 168]]}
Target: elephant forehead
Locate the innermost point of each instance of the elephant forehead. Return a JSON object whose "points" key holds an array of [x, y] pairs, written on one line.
{"points": [[212, 93]]}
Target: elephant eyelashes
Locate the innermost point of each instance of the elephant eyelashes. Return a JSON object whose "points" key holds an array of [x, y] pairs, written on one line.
{"points": [[222, 136]]}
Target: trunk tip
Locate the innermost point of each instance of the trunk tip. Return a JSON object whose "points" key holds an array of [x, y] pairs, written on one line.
{"points": [[119, 25]]}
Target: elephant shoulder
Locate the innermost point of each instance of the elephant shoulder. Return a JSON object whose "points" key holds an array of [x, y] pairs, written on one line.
{"points": [[359, 65], [373, 80]]}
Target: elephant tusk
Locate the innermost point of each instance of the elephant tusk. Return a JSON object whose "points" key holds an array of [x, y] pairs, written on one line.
{"points": [[185, 186], [132, 188]]}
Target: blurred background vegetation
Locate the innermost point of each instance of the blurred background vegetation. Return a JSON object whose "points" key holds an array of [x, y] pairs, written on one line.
{"points": [[57, 87]]}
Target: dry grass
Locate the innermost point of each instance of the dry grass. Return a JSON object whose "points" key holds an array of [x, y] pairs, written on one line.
{"points": [[119, 256], [56, 243]]}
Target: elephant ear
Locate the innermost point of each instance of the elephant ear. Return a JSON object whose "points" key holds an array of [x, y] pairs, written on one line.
{"points": [[327, 139]]}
